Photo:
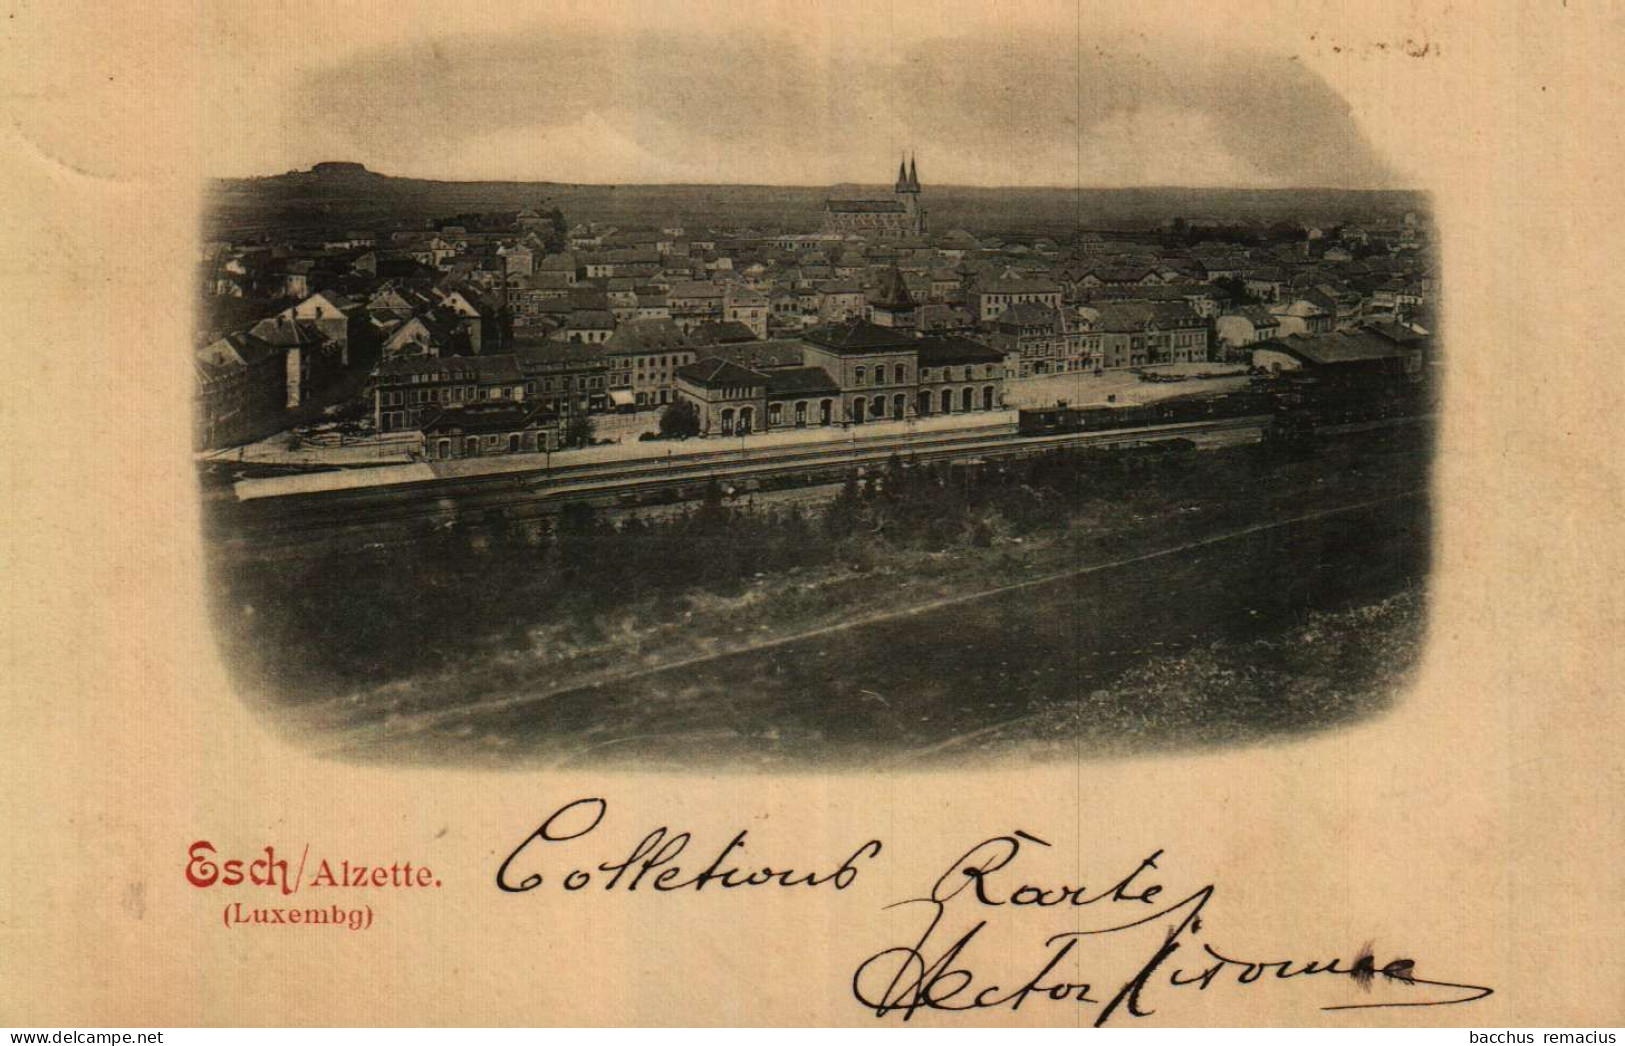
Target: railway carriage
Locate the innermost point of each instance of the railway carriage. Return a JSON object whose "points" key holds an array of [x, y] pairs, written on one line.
{"points": [[1047, 421]]}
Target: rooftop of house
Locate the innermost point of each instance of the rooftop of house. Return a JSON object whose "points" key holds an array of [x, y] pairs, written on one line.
{"points": [[1017, 285], [637, 336], [1301, 309], [941, 350], [765, 355], [330, 299], [1124, 317], [958, 239], [714, 373], [548, 279], [696, 289], [238, 349], [857, 336], [534, 354], [722, 332], [287, 333], [893, 291], [1028, 314], [485, 369], [1361, 346], [800, 381], [1257, 315], [591, 319], [488, 416]]}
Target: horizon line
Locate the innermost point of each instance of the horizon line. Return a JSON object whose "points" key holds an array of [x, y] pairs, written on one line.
{"points": [[801, 185]]}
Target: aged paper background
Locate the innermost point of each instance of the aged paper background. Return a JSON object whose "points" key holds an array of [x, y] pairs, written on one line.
{"points": [[1477, 827]]}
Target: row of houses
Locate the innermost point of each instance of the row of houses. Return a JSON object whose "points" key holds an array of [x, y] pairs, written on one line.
{"points": [[1043, 340], [603, 318], [759, 283], [847, 374], [1314, 313], [311, 352], [882, 365]]}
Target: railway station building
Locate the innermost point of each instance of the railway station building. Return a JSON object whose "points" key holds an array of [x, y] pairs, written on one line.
{"points": [[958, 375], [472, 430], [731, 400], [876, 368], [851, 373]]}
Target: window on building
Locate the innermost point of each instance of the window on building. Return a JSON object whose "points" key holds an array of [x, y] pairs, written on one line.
{"points": [[898, 374], [858, 376]]}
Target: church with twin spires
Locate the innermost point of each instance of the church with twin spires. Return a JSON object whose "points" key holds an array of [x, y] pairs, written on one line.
{"points": [[898, 218]]}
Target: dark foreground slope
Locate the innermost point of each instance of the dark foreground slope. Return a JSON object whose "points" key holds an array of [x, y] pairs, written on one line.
{"points": [[1083, 604]]}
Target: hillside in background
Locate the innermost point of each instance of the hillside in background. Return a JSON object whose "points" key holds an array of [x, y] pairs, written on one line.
{"points": [[347, 195]]}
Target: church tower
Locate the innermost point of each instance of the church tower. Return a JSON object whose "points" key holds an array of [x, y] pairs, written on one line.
{"points": [[908, 194], [892, 305]]}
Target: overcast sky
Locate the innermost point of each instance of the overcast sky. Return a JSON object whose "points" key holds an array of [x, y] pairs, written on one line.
{"points": [[795, 93]]}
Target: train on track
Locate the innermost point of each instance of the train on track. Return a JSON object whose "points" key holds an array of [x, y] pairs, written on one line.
{"points": [[1303, 410], [1048, 421], [1295, 409]]}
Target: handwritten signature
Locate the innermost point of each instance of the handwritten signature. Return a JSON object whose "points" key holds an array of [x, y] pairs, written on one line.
{"points": [[935, 972], [968, 910], [654, 859]]}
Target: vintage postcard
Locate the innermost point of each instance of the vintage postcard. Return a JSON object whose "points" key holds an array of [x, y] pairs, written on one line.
{"points": [[835, 514]]}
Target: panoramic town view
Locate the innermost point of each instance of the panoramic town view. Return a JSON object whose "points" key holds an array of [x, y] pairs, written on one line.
{"points": [[507, 473]]}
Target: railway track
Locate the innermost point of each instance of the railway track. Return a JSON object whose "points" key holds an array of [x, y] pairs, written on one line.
{"points": [[532, 493]]}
